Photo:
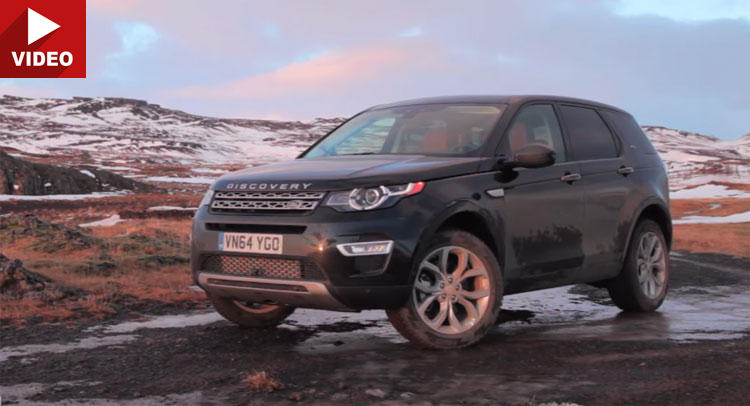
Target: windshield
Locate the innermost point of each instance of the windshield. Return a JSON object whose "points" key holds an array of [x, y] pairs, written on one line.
{"points": [[427, 129]]}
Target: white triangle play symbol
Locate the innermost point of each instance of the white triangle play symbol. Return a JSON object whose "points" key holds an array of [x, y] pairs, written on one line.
{"points": [[39, 26]]}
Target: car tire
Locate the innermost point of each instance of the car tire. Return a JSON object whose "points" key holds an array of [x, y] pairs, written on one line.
{"points": [[250, 314], [444, 313], [642, 283]]}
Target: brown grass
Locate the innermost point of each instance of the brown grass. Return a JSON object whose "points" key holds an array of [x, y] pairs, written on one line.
{"points": [[732, 239], [73, 212], [18, 310], [261, 382], [132, 279], [708, 207]]}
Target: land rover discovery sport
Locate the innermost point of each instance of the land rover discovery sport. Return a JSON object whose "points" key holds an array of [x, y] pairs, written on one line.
{"points": [[434, 209]]}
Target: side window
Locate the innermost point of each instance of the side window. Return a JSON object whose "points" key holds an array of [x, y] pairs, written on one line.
{"points": [[589, 136], [537, 124], [630, 131]]}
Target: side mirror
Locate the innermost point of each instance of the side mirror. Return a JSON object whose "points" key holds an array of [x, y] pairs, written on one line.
{"points": [[532, 156]]}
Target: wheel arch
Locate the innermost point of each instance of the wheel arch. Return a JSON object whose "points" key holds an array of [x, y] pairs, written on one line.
{"points": [[471, 218], [657, 212]]}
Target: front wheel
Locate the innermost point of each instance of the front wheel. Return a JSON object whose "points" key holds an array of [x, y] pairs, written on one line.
{"points": [[246, 314], [457, 294], [642, 284]]}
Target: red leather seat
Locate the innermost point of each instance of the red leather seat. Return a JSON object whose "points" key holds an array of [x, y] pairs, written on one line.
{"points": [[519, 136], [435, 141]]}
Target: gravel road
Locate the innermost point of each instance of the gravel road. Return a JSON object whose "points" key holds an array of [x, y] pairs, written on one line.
{"points": [[557, 346]]}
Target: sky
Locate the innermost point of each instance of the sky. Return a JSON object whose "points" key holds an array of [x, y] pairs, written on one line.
{"points": [[677, 63]]}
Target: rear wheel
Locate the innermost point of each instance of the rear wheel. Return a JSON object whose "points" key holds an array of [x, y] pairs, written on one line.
{"points": [[456, 296], [246, 314], [642, 284]]}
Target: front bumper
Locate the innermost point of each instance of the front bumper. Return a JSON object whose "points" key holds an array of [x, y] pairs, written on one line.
{"points": [[343, 283]]}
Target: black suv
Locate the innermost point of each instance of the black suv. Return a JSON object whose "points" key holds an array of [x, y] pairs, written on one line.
{"points": [[433, 209]]}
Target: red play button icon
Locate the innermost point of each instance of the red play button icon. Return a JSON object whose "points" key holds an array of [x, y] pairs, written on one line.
{"points": [[43, 39]]}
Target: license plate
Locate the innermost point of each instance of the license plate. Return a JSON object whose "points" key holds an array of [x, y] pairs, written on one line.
{"points": [[251, 243]]}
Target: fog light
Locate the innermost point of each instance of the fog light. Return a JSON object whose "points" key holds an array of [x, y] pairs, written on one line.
{"points": [[358, 249]]}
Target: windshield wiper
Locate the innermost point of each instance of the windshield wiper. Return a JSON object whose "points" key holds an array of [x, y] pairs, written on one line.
{"points": [[362, 153]]}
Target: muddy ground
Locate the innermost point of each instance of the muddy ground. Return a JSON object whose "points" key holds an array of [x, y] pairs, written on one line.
{"points": [[565, 345]]}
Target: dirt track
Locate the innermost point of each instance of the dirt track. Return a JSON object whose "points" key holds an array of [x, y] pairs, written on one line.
{"points": [[559, 345]]}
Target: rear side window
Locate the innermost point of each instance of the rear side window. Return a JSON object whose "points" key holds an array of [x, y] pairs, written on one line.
{"points": [[537, 124], [632, 133], [589, 136]]}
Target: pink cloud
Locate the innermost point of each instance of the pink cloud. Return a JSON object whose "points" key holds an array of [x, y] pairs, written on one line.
{"points": [[324, 73]]}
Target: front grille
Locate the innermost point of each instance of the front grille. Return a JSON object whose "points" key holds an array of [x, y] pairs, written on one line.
{"points": [[255, 202], [262, 267]]}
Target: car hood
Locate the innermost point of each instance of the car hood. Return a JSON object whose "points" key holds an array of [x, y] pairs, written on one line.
{"points": [[347, 171]]}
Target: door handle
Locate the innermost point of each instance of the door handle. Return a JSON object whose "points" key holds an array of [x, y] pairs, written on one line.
{"points": [[625, 170], [570, 177]]}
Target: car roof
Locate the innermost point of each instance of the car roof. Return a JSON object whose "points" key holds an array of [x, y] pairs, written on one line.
{"points": [[494, 99]]}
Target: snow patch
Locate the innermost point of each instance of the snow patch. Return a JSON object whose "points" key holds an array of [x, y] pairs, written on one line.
{"points": [[732, 218], [95, 195], [84, 343], [195, 180], [209, 170], [168, 321], [170, 208], [107, 222], [709, 191]]}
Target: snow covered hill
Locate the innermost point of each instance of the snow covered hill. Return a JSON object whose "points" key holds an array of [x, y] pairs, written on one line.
{"points": [[139, 139], [693, 159], [113, 128]]}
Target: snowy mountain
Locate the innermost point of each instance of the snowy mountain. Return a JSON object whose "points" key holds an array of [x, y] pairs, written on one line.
{"points": [[693, 159], [113, 129], [144, 140]]}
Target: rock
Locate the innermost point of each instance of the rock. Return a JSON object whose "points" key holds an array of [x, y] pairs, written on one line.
{"points": [[15, 280], [19, 282], [295, 397], [339, 396], [376, 393], [100, 268], [163, 260], [21, 177], [50, 237], [406, 396]]}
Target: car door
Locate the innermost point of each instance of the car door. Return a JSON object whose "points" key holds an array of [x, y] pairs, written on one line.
{"points": [[543, 207], [606, 180]]}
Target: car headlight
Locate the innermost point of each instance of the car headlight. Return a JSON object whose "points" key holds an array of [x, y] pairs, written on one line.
{"points": [[207, 198], [372, 197]]}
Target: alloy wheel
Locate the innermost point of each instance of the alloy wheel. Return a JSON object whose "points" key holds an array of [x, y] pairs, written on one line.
{"points": [[452, 290], [652, 265]]}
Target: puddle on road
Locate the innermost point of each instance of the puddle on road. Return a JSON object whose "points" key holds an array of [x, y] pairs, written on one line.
{"points": [[717, 313], [168, 321], [369, 328], [114, 335], [84, 343], [23, 393]]}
